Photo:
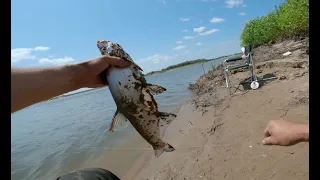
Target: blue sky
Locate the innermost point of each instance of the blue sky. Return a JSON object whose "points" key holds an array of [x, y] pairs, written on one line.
{"points": [[156, 33]]}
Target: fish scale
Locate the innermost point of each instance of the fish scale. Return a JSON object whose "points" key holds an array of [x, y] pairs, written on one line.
{"points": [[134, 100]]}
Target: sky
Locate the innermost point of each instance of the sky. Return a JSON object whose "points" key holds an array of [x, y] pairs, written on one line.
{"points": [[156, 33]]}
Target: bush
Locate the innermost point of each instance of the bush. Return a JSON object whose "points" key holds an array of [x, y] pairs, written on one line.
{"points": [[290, 19]]}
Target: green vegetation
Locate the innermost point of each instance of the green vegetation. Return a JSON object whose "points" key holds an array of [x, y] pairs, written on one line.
{"points": [[290, 19], [186, 63], [213, 67]]}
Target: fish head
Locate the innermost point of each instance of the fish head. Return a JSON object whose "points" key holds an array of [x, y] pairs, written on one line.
{"points": [[110, 48], [104, 46], [107, 47]]}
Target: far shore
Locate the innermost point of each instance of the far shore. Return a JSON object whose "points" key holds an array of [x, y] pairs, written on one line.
{"points": [[187, 63]]}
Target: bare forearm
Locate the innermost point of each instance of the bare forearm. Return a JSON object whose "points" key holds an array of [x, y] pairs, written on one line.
{"points": [[33, 85]]}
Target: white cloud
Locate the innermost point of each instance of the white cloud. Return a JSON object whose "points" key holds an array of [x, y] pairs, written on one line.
{"points": [[234, 3], [19, 54], [164, 2], [179, 42], [184, 19], [189, 37], [242, 14], [209, 32], [56, 61], [186, 30], [157, 58], [41, 48], [199, 29], [179, 48], [217, 20], [199, 44]]}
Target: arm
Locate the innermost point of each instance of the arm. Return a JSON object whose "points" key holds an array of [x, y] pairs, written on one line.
{"points": [[33, 85], [304, 132]]}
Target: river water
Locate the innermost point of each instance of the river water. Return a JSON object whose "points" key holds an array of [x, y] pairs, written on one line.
{"points": [[53, 135]]}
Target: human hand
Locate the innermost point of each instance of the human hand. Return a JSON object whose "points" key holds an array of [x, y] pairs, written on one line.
{"points": [[87, 74], [285, 133]]}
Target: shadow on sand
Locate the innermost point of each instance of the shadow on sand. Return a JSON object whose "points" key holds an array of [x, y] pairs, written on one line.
{"points": [[263, 80]]}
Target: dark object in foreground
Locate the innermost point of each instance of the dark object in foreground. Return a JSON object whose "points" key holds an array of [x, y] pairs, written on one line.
{"points": [[89, 174]]}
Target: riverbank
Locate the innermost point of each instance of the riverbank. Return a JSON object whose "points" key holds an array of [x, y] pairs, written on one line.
{"points": [[218, 136]]}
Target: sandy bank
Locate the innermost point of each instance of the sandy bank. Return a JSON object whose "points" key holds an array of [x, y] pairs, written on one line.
{"points": [[218, 136], [221, 139]]}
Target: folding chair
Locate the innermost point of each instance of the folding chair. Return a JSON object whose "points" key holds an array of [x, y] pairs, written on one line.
{"points": [[248, 64]]}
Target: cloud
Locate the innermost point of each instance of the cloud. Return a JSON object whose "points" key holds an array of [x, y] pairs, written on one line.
{"points": [[199, 44], [209, 32], [179, 42], [242, 14], [56, 61], [199, 29], [217, 20], [164, 2], [157, 58], [19, 54], [234, 3], [178, 48], [185, 30], [184, 19], [189, 37]]}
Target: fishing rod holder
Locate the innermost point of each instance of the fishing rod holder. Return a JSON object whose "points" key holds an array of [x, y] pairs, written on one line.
{"points": [[248, 64]]}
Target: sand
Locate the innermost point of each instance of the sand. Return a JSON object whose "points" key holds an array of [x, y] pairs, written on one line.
{"points": [[218, 136]]}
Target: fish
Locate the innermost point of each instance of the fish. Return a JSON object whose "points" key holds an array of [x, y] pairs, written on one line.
{"points": [[133, 96]]}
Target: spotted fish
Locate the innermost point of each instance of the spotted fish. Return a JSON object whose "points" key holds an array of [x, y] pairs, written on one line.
{"points": [[134, 99]]}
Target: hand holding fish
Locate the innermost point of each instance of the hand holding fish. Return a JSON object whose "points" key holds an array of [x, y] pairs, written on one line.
{"points": [[33, 85], [87, 73]]}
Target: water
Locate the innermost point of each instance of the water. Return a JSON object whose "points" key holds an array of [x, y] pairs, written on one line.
{"points": [[52, 136]]}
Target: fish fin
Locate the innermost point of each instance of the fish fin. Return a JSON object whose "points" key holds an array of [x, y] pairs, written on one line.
{"points": [[118, 121], [155, 89], [166, 148], [164, 120]]}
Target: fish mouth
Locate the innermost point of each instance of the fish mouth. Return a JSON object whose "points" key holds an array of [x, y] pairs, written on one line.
{"points": [[104, 46]]}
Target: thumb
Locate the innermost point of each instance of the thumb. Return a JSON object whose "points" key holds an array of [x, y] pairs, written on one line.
{"points": [[269, 141]]}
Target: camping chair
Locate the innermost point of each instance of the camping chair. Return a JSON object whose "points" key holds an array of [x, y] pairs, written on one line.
{"points": [[248, 64]]}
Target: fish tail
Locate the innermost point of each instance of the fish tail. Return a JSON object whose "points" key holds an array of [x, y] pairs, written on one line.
{"points": [[165, 148]]}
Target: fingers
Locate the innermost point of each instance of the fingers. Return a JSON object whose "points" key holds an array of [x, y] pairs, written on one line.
{"points": [[102, 63], [115, 61], [267, 130], [269, 141]]}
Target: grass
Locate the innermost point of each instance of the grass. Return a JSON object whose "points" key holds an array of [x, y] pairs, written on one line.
{"points": [[212, 68], [290, 19]]}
